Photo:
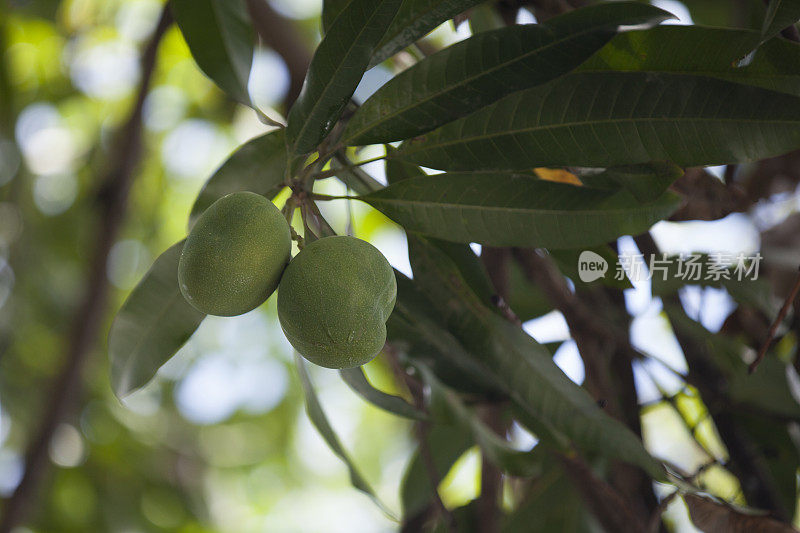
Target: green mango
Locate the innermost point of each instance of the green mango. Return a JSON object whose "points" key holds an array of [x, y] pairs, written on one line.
{"points": [[334, 300], [234, 256]]}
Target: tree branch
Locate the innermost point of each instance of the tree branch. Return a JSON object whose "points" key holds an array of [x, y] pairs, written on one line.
{"points": [[278, 33], [746, 461], [787, 304], [607, 355], [112, 198], [595, 335]]}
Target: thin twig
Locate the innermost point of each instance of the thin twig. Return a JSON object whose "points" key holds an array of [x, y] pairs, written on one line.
{"points": [[775, 325], [325, 229], [333, 171], [351, 222], [327, 197], [113, 199], [730, 174], [655, 519]]}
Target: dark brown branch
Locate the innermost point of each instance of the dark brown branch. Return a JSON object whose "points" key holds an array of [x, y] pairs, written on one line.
{"points": [[775, 325], [112, 198], [595, 335], [496, 262], [489, 514], [595, 322], [708, 198], [746, 461], [279, 34]]}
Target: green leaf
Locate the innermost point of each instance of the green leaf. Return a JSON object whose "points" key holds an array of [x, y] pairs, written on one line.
{"points": [[416, 329], [336, 69], [480, 70], [330, 10], [485, 17], [645, 182], [221, 39], [353, 176], [320, 421], [551, 505], [446, 403], [775, 65], [258, 166], [445, 445], [474, 271], [153, 323], [512, 210], [397, 169], [471, 268], [783, 458], [567, 262], [780, 14], [608, 119], [674, 48], [767, 389], [414, 20], [524, 297], [356, 380], [524, 368]]}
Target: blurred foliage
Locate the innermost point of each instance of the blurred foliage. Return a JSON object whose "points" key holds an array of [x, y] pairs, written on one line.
{"points": [[219, 441]]}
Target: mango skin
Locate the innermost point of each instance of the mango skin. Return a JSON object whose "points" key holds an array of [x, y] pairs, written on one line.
{"points": [[334, 299], [234, 256]]}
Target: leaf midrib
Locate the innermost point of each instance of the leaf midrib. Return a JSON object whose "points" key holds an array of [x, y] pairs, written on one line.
{"points": [[542, 212], [461, 140]]}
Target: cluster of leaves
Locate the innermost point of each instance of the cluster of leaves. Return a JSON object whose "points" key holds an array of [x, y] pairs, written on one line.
{"points": [[602, 90]]}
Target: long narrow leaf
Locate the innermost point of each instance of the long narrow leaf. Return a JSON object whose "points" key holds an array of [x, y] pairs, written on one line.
{"points": [[418, 329], [330, 10], [153, 323], [258, 166], [445, 444], [509, 460], [221, 39], [336, 69], [528, 372], [775, 65], [608, 118], [414, 20], [645, 182], [510, 210], [486, 67], [317, 416], [356, 380]]}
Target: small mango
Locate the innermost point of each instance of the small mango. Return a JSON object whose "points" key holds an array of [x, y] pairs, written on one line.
{"points": [[234, 256], [334, 299]]}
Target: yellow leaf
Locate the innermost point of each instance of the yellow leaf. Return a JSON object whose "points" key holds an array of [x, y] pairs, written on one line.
{"points": [[558, 175]]}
